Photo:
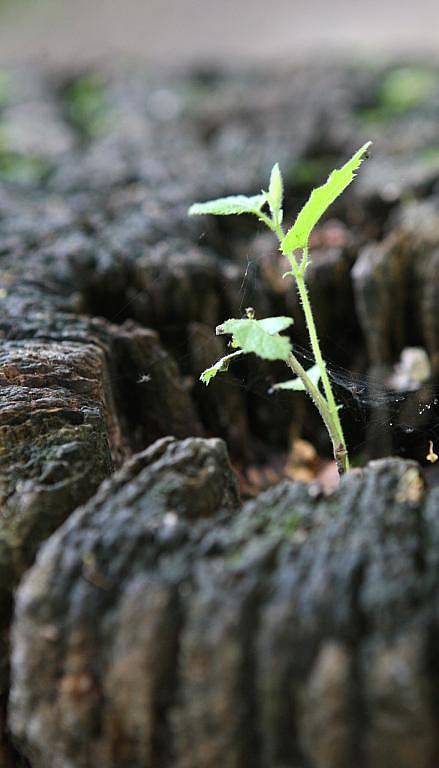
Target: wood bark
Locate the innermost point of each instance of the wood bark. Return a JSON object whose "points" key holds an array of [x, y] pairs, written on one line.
{"points": [[296, 632], [165, 625]]}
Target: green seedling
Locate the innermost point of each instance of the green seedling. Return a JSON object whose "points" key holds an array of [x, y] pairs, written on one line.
{"points": [[263, 337]]}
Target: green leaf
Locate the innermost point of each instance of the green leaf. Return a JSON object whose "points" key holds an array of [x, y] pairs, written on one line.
{"points": [[275, 324], [297, 384], [226, 206], [319, 200], [260, 336], [275, 190], [220, 365]]}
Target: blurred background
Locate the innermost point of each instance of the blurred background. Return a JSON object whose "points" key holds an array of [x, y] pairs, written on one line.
{"points": [[65, 32]]}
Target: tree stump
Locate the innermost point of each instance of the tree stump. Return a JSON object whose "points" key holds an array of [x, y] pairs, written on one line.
{"points": [[165, 623]]}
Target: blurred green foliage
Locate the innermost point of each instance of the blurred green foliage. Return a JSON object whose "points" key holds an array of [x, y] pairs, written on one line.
{"points": [[307, 171], [5, 87], [86, 105], [402, 90], [407, 87], [22, 169], [430, 155]]}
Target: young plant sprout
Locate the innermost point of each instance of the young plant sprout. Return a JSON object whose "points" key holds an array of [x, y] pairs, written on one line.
{"points": [[263, 337]]}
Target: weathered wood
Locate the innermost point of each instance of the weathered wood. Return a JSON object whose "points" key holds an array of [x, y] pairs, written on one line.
{"points": [[71, 407], [396, 286], [77, 395], [170, 628], [93, 223]]}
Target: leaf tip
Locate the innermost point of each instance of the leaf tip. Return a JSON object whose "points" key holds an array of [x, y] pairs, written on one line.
{"points": [[209, 374], [363, 153]]}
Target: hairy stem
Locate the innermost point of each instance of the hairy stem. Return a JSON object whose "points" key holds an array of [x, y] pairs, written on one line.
{"points": [[339, 448], [314, 393], [326, 406], [340, 445]]}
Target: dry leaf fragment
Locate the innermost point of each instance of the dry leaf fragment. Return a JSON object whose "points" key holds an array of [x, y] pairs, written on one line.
{"points": [[431, 456]]}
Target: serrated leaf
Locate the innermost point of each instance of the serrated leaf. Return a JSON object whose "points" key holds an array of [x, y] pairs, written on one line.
{"points": [[319, 200], [220, 365], [275, 190], [227, 206], [297, 384], [260, 336]]}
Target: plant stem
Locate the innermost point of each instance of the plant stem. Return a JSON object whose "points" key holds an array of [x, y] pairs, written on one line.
{"points": [[326, 406], [339, 444], [315, 395]]}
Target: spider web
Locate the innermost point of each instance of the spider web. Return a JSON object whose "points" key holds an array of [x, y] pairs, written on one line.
{"points": [[410, 416], [378, 420]]}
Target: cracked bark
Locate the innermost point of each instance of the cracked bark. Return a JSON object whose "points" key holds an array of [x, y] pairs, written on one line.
{"points": [[185, 630]]}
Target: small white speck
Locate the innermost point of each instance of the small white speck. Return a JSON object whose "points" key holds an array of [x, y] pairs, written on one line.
{"points": [[170, 519]]}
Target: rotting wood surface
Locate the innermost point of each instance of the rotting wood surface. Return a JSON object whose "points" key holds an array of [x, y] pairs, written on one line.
{"points": [[93, 225], [165, 625]]}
